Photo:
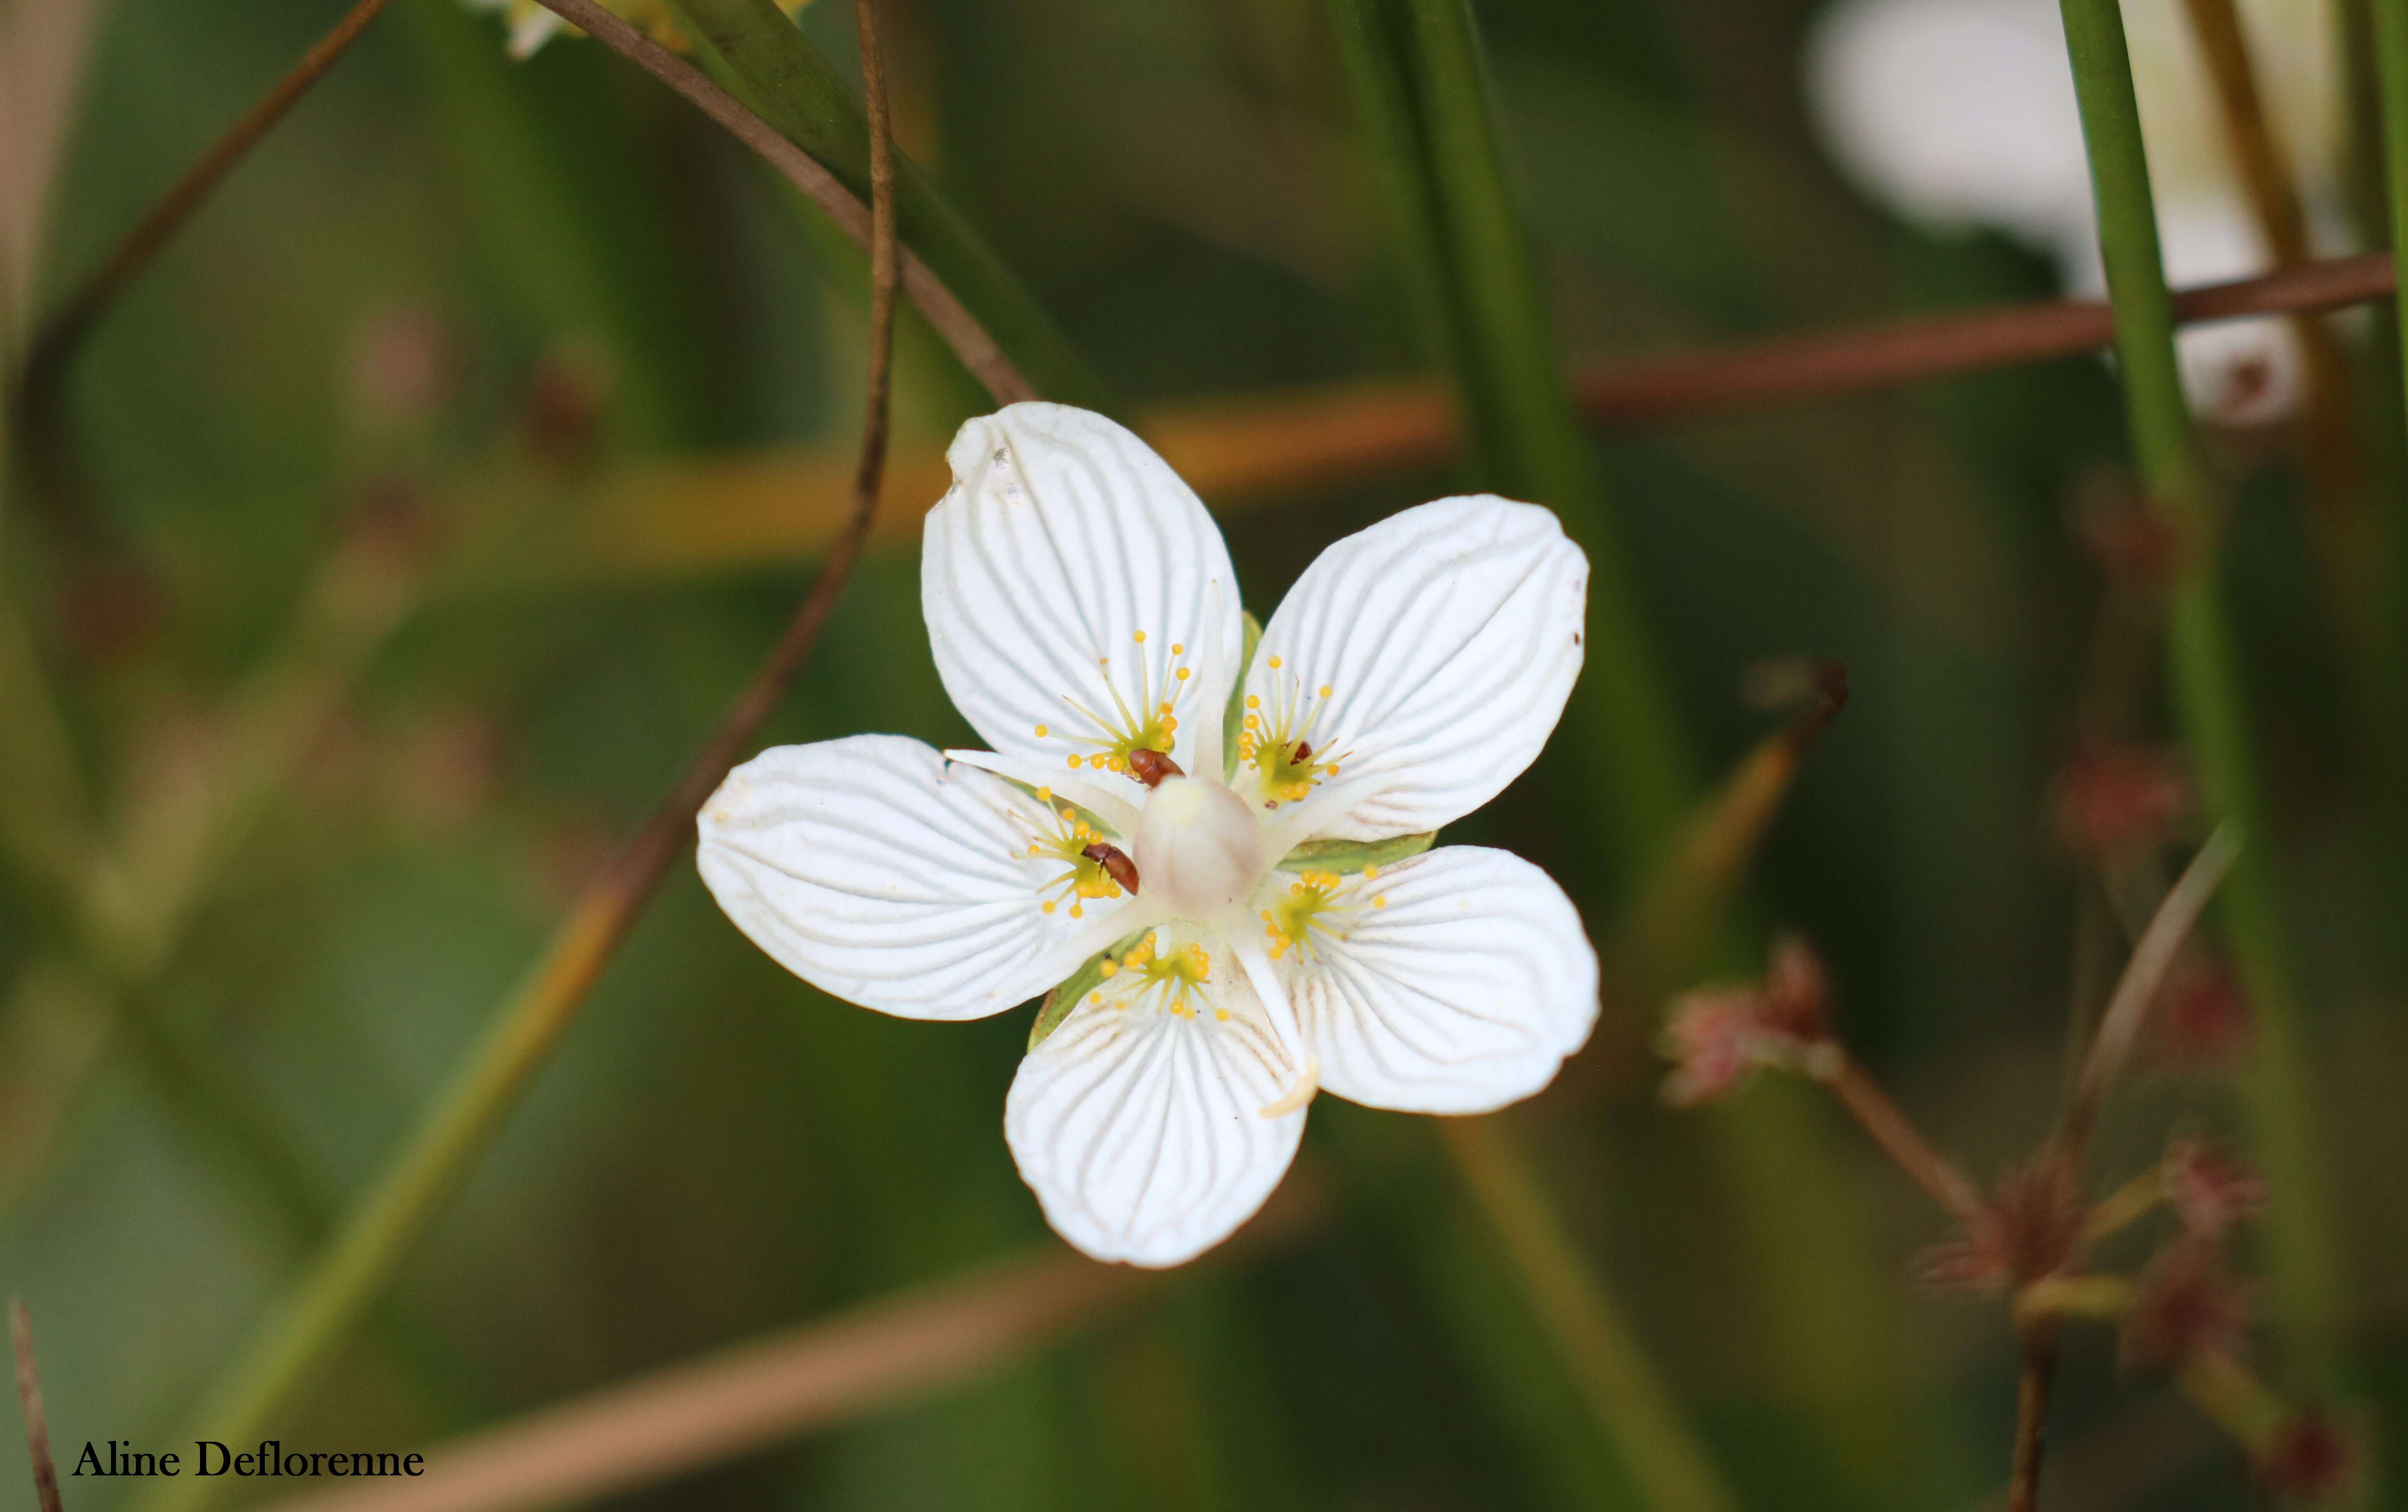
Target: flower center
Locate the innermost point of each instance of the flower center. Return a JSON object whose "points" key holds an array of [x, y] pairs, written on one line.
{"points": [[1198, 848]]}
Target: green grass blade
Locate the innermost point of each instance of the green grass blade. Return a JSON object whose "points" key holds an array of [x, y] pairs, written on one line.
{"points": [[2207, 696], [799, 92]]}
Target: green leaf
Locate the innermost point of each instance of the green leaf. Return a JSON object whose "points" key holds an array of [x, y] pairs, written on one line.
{"points": [[1347, 857], [1059, 1002], [1234, 717]]}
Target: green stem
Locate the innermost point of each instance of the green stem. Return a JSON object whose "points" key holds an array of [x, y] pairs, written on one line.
{"points": [[792, 87], [1609, 1366], [1472, 284], [2207, 692]]}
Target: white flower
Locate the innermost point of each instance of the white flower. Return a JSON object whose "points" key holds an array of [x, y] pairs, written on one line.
{"points": [[1220, 859], [1960, 112]]}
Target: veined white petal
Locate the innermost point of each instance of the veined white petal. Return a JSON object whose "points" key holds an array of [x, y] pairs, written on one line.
{"points": [[1140, 1128], [1114, 809], [1454, 982], [1069, 578], [1428, 658], [873, 871]]}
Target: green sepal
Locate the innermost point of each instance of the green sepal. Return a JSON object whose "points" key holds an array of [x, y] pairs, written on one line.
{"points": [[1347, 857], [1059, 1002], [1233, 718]]}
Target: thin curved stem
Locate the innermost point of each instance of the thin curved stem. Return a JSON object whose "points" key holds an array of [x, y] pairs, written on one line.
{"points": [[39, 400], [969, 340]]}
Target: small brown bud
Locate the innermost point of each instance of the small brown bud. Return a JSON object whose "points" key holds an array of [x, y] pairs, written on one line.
{"points": [[2210, 1190], [2031, 1228], [2108, 799], [2202, 1021], [1709, 1037], [2308, 1461], [1796, 994], [2183, 1302]]}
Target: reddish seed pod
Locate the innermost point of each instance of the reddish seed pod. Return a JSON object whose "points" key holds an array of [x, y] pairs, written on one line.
{"points": [[1115, 863], [1152, 766]]}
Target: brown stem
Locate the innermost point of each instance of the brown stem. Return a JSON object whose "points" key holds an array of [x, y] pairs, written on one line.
{"points": [[969, 340], [1791, 369], [2031, 1416], [1898, 1137], [40, 396], [29, 1396]]}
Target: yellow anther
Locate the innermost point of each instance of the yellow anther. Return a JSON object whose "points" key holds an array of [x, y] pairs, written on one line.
{"points": [[1048, 906], [1221, 1014], [1253, 701], [1139, 637], [1044, 795], [1164, 708], [1040, 732], [1370, 874], [1094, 997], [1183, 674], [1275, 664], [1324, 690], [1032, 848], [1177, 650], [1069, 818], [1074, 763], [1380, 901]]}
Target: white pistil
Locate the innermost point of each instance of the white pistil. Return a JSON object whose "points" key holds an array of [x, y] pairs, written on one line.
{"points": [[1198, 849]]}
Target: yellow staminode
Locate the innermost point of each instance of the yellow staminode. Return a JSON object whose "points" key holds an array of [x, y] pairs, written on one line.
{"points": [[1272, 738], [1313, 903], [1151, 725], [1065, 840], [1174, 979]]}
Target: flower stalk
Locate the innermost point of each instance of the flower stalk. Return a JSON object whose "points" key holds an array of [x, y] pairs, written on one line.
{"points": [[29, 1398]]}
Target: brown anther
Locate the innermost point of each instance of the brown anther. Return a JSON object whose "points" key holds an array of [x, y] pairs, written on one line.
{"points": [[1303, 753], [1115, 861], [1152, 766]]}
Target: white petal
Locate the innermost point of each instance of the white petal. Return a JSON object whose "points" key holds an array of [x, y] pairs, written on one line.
{"points": [[877, 873], [1955, 111], [1063, 540], [1142, 1132], [1448, 638], [1463, 993]]}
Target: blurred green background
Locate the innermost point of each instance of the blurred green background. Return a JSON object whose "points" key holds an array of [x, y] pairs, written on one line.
{"points": [[454, 296]]}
